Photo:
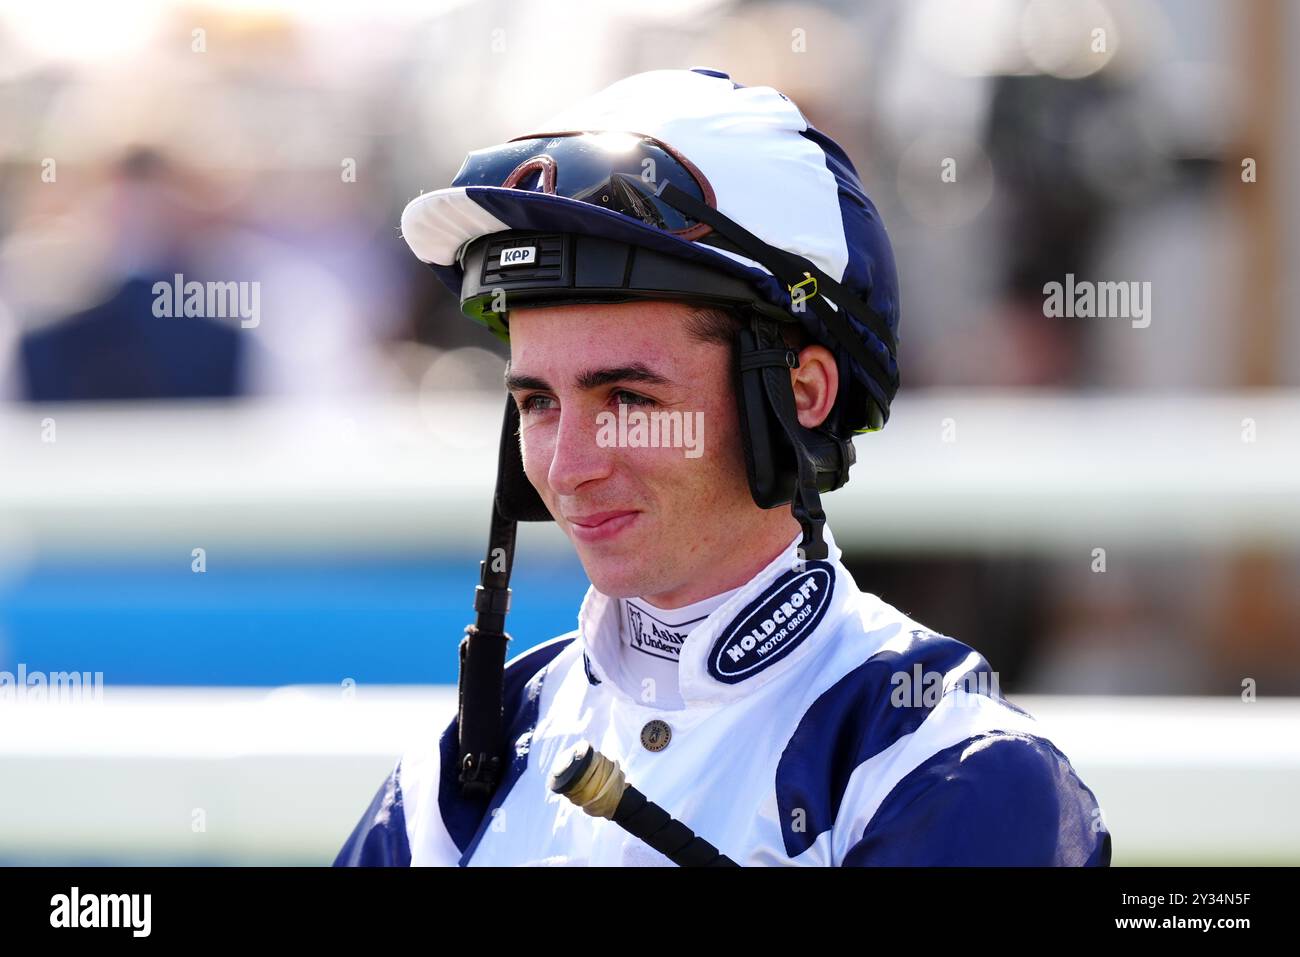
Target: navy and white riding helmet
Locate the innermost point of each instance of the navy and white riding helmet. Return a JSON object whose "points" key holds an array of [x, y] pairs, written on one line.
{"points": [[727, 193]]}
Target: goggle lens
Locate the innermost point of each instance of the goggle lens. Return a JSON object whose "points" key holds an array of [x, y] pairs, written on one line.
{"points": [[593, 168]]}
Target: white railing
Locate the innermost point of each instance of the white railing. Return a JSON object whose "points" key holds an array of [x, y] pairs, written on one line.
{"points": [[1035, 471], [249, 776]]}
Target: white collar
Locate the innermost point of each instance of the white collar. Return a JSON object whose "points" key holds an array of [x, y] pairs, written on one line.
{"points": [[743, 644]]}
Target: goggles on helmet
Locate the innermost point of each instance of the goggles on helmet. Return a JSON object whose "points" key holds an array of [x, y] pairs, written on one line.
{"points": [[648, 180], [594, 167]]}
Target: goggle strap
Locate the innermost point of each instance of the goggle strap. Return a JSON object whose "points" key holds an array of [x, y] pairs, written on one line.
{"points": [[791, 271]]}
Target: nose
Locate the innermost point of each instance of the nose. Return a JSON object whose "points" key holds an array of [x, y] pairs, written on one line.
{"points": [[576, 457]]}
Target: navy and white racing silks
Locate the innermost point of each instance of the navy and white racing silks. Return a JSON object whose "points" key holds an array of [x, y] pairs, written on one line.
{"points": [[821, 726]]}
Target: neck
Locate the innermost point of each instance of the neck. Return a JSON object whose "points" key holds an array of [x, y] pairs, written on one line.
{"points": [[725, 575]]}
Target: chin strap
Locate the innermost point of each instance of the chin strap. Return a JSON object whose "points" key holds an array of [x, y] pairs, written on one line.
{"points": [[776, 361], [480, 720], [482, 667]]}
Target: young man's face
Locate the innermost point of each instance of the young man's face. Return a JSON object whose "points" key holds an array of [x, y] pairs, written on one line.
{"points": [[658, 523]]}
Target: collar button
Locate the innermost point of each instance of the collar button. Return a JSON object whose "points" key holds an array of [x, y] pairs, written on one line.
{"points": [[655, 735]]}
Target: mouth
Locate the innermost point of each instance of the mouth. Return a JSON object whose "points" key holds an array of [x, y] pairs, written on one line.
{"points": [[601, 526]]}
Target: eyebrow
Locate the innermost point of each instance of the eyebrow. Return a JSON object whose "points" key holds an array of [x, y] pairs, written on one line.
{"points": [[590, 378]]}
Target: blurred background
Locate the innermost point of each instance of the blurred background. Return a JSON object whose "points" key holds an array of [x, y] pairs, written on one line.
{"points": [[257, 542]]}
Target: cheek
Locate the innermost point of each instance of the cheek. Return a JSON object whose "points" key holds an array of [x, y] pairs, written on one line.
{"points": [[717, 475], [726, 434], [724, 459], [536, 449], [723, 453]]}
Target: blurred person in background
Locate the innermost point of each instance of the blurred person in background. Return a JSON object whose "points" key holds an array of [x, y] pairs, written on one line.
{"points": [[120, 348]]}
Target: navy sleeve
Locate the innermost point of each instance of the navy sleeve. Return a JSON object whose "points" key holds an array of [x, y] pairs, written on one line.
{"points": [[379, 839], [997, 799]]}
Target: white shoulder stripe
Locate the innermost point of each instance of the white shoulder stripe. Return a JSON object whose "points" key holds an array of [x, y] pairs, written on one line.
{"points": [[958, 716]]}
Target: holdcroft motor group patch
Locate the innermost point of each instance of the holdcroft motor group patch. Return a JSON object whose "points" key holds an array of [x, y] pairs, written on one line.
{"points": [[773, 624]]}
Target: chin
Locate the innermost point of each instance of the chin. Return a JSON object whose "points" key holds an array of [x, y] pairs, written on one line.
{"points": [[616, 578]]}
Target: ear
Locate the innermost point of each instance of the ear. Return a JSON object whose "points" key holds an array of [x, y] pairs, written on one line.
{"points": [[816, 383]]}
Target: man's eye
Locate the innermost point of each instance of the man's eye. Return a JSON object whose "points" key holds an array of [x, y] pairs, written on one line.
{"points": [[634, 399], [530, 402]]}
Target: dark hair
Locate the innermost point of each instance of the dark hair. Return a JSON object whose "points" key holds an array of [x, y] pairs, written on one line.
{"points": [[721, 323]]}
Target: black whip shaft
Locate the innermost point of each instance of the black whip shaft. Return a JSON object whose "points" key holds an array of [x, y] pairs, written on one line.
{"points": [[667, 835], [597, 785]]}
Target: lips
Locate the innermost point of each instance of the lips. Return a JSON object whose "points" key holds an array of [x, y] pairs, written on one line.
{"points": [[596, 519], [599, 527]]}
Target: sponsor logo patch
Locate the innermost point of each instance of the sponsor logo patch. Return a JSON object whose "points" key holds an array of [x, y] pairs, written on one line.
{"points": [[518, 256], [649, 635], [774, 624]]}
